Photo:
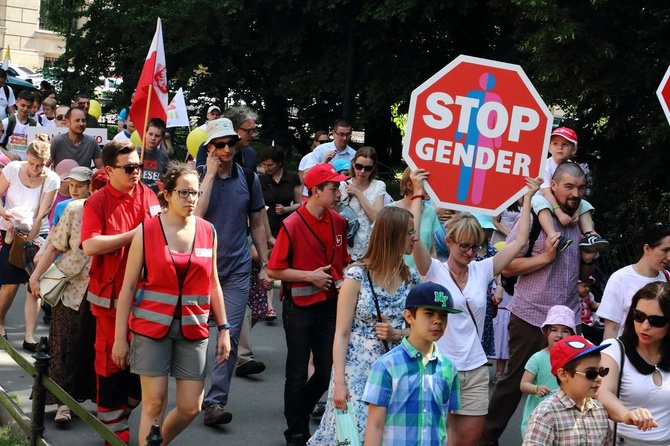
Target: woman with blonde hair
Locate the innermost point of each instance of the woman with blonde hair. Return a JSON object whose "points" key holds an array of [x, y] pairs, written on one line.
{"points": [[369, 316], [29, 185], [467, 282]]}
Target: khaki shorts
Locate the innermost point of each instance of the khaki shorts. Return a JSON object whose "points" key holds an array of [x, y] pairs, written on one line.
{"points": [[474, 392], [173, 355]]}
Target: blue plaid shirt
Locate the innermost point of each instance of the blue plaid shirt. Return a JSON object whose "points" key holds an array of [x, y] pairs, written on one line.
{"points": [[417, 398]]}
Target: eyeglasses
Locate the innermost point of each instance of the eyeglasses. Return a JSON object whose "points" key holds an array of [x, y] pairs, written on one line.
{"points": [[465, 247], [593, 374], [83, 104], [358, 166], [323, 141], [654, 321], [222, 144], [130, 168], [343, 134], [268, 166], [60, 117], [252, 131], [183, 193]]}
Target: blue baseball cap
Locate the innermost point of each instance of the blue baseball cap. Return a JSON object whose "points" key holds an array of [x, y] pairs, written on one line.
{"points": [[431, 295]]}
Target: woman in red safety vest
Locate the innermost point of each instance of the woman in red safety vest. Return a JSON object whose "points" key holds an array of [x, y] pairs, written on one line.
{"points": [[169, 287]]}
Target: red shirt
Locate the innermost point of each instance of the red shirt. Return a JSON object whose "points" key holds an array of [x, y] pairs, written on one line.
{"points": [[112, 212]]}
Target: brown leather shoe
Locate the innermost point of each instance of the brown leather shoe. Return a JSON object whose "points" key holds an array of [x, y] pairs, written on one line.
{"points": [[216, 414]]}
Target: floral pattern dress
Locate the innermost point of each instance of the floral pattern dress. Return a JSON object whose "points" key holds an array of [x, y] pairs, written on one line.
{"points": [[362, 237], [364, 348]]}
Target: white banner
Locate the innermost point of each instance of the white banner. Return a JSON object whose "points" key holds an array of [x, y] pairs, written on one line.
{"points": [[177, 116], [100, 135]]}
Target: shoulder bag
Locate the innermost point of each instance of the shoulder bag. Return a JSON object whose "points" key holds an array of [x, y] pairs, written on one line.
{"points": [[379, 313]]}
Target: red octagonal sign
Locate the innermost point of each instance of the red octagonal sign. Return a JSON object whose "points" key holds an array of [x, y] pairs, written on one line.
{"points": [[479, 127]]}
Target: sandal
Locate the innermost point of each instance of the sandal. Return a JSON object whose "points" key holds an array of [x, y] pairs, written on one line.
{"points": [[63, 415], [272, 315]]}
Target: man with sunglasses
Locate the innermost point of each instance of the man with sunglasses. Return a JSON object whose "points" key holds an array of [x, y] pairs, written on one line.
{"points": [[61, 110], [546, 278], [338, 148], [111, 218], [232, 201], [244, 122], [74, 144]]}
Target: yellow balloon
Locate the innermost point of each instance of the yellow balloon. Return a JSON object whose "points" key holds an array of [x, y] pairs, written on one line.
{"points": [[95, 109], [193, 141], [135, 139], [499, 245]]}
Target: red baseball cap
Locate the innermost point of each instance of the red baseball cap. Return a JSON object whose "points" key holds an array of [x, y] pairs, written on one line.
{"points": [[566, 133], [570, 348], [322, 173]]}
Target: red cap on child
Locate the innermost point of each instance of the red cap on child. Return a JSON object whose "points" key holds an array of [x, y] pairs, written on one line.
{"points": [[570, 348]]}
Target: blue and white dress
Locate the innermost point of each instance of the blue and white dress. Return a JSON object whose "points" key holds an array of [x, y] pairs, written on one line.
{"points": [[364, 348]]}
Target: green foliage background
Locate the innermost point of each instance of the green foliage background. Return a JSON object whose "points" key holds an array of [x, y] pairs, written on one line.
{"points": [[600, 60]]}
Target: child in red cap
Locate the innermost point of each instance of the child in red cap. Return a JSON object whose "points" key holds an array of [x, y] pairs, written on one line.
{"points": [[572, 416], [563, 146]]}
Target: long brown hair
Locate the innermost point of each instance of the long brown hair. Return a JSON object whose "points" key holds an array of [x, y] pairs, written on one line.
{"points": [[386, 248]]}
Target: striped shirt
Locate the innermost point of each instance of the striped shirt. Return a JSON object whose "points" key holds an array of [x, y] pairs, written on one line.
{"points": [[417, 398], [554, 284], [559, 421]]}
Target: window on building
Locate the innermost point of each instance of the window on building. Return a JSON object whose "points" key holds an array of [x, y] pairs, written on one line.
{"points": [[42, 21]]}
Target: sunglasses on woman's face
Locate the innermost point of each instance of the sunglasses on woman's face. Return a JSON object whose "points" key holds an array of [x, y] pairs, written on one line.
{"points": [[323, 141], [592, 374], [358, 166], [654, 321]]}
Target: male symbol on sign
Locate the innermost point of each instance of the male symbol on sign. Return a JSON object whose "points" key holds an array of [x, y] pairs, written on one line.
{"points": [[474, 137]]}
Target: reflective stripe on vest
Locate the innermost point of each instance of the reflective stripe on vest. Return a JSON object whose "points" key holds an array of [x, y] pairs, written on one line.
{"points": [[104, 302]]}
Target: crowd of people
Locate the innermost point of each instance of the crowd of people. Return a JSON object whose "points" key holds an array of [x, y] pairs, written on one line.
{"points": [[380, 300]]}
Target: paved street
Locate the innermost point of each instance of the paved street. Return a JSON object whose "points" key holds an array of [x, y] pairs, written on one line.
{"points": [[256, 402]]}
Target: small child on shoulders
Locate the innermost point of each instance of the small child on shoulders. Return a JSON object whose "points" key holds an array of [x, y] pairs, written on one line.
{"points": [[399, 412], [572, 416], [563, 146], [537, 381]]}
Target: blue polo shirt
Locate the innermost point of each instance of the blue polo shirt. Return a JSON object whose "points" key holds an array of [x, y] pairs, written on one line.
{"points": [[230, 204]]}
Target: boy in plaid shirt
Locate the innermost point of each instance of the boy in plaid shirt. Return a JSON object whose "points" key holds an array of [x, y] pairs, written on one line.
{"points": [[412, 388], [572, 416]]}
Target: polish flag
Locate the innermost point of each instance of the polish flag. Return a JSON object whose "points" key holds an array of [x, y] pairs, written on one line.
{"points": [[151, 96]]}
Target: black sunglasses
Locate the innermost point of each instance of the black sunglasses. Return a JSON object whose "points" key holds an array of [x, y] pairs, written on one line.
{"points": [[323, 141], [130, 168], [593, 374], [222, 144], [363, 167], [60, 117], [654, 321]]}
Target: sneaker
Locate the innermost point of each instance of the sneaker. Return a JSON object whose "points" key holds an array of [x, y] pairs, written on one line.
{"points": [[591, 242], [216, 414], [563, 242], [297, 440], [63, 415], [250, 368], [319, 409]]}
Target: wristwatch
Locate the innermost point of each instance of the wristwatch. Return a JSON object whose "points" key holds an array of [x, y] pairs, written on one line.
{"points": [[225, 326]]}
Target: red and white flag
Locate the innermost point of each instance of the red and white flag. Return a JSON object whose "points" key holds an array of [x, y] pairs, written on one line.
{"points": [[151, 96]]}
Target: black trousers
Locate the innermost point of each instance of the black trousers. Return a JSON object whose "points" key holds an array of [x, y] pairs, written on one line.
{"points": [[308, 329]]}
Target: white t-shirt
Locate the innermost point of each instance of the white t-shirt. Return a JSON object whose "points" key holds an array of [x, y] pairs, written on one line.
{"points": [[18, 141], [20, 195], [638, 390], [306, 162], [619, 291], [461, 342], [6, 101]]}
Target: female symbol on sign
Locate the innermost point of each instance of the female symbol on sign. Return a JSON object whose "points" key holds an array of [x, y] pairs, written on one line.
{"points": [[474, 137]]}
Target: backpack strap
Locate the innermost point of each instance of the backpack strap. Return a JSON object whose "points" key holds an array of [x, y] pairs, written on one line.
{"points": [[11, 124], [665, 273], [534, 233]]}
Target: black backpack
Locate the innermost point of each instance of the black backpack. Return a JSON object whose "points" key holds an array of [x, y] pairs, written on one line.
{"points": [[11, 125], [508, 282]]}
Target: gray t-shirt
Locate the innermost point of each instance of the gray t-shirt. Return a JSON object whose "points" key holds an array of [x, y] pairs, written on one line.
{"points": [[84, 153]]}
